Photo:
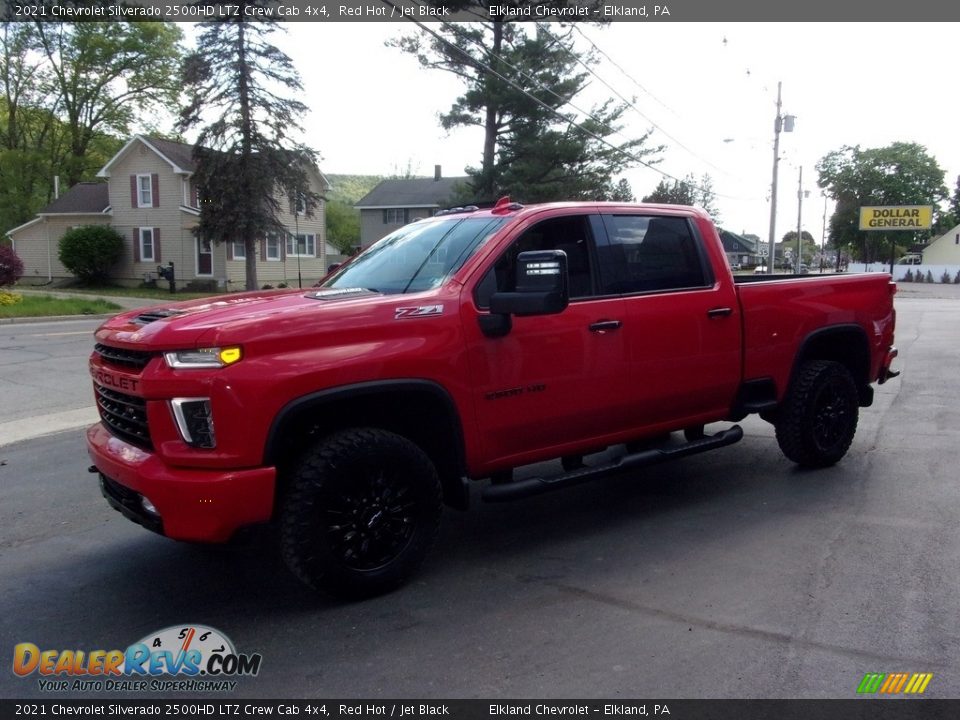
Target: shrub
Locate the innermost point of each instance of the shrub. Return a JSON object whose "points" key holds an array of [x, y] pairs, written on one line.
{"points": [[89, 252], [919, 277], [11, 267], [929, 277], [9, 298], [956, 280], [908, 277], [945, 278]]}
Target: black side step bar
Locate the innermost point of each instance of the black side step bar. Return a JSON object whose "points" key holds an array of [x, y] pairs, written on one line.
{"points": [[537, 485]]}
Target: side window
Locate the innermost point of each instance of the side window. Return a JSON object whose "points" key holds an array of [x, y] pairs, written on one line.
{"points": [[570, 234], [646, 254]]}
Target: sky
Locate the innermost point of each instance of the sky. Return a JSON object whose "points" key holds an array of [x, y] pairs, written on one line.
{"points": [[708, 91]]}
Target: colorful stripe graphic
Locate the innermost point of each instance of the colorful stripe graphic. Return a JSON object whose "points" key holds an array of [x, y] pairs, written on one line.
{"points": [[895, 683]]}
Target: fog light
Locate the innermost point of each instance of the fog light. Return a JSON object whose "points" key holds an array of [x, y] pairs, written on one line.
{"points": [[149, 506], [194, 421]]}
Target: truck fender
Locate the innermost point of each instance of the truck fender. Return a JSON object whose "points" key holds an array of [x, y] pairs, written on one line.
{"points": [[420, 410]]}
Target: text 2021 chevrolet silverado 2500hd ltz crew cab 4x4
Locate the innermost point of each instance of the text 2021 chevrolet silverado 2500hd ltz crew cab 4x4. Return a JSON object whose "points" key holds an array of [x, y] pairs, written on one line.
{"points": [[459, 348]]}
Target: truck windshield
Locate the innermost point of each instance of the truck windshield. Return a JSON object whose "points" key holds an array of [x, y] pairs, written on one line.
{"points": [[418, 256]]}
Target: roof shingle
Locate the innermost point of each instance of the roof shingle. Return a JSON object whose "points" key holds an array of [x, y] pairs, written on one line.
{"points": [[85, 197], [411, 192]]}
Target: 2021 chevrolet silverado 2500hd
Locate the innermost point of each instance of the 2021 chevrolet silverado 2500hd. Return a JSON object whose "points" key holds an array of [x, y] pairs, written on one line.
{"points": [[457, 349]]}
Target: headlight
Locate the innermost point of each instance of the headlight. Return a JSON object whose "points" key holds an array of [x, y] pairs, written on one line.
{"points": [[203, 358]]}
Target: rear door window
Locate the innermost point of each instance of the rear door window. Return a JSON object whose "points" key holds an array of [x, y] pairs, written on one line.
{"points": [[649, 254]]}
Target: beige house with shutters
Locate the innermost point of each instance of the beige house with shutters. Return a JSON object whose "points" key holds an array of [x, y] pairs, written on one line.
{"points": [[148, 195]]}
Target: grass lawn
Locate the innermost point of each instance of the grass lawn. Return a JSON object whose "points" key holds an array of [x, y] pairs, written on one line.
{"points": [[45, 306], [158, 294]]}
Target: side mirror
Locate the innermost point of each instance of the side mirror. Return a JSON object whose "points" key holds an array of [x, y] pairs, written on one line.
{"points": [[541, 288]]}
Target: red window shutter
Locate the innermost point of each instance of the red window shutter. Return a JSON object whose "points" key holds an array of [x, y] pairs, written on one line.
{"points": [[156, 244], [136, 243], [263, 249], [283, 249], [229, 250], [133, 191], [316, 246], [194, 198], [155, 189]]}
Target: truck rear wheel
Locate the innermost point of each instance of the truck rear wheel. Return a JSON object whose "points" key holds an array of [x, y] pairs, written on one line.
{"points": [[362, 512], [818, 418]]}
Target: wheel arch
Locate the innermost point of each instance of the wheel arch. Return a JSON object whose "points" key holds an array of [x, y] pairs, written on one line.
{"points": [[846, 344], [419, 410]]}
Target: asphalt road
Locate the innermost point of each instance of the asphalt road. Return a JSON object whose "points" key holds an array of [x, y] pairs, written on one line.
{"points": [[731, 574]]}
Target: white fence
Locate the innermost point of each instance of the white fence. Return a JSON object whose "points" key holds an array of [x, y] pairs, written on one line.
{"points": [[899, 271]]}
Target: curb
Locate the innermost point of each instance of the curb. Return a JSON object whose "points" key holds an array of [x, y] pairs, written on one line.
{"points": [[55, 318]]}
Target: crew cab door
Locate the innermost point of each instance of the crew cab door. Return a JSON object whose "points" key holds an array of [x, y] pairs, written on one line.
{"points": [[551, 379], [682, 324]]}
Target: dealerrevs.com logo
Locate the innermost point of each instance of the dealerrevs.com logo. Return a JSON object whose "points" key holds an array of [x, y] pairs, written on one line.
{"points": [[177, 658]]}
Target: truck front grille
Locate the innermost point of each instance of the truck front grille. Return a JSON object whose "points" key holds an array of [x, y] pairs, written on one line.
{"points": [[136, 359], [125, 416]]}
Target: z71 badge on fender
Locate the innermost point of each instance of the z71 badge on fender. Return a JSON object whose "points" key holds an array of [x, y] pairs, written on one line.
{"points": [[422, 311]]}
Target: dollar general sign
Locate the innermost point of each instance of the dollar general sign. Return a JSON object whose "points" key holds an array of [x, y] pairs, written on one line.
{"points": [[896, 217]]}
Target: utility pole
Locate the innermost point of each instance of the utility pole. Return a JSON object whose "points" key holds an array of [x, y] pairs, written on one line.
{"points": [[799, 216], [785, 124]]}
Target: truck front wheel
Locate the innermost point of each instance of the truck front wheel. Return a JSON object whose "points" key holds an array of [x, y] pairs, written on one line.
{"points": [[362, 511], [818, 418]]}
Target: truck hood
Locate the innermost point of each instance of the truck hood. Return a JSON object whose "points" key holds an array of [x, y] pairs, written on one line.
{"points": [[227, 318]]}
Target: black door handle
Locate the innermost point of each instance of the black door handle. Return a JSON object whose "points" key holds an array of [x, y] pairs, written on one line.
{"points": [[719, 312], [603, 325]]}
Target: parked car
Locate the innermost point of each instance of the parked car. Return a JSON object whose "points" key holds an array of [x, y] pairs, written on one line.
{"points": [[911, 259]]}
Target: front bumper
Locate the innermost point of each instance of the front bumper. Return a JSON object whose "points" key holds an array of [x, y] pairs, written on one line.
{"points": [[191, 504]]}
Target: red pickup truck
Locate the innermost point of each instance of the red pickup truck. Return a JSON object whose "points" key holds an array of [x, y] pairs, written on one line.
{"points": [[458, 349]]}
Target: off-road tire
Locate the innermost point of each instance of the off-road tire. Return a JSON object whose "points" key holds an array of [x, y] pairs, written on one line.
{"points": [[818, 419], [361, 513]]}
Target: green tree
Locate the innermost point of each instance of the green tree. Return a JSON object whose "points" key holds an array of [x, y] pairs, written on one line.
{"points": [[678, 193], [621, 192], [520, 88], [31, 138], [343, 226], [686, 192], [899, 174], [90, 251], [105, 78], [808, 245], [247, 163]]}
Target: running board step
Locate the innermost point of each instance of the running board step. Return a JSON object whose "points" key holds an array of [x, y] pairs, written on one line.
{"points": [[537, 485]]}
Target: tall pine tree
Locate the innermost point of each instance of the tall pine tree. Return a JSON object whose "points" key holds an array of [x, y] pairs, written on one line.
{"points": [[520, 87], [247, 162]]}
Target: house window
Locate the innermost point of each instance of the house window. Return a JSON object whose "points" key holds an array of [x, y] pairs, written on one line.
{"points": [[395, 216], [239, 250], [144, 191], [147, 245], [302, 245], [273, 247]]}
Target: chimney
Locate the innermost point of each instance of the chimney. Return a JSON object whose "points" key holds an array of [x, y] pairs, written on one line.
{"points": [[436, 173]]}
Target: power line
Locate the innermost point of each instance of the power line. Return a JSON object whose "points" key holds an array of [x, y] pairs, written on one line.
{"points": [[629, 102], [556, 112]]}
